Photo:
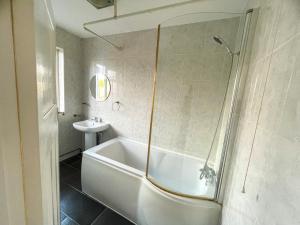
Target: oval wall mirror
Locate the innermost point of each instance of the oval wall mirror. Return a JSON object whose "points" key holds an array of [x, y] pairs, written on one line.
{"points": [[100, 87]]}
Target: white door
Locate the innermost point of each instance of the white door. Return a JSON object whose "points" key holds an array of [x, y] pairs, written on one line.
{"points": [[34, 53], [47, 109]]}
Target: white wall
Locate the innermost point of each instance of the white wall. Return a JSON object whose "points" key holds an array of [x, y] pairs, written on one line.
{"points": [[269, 125], [69, 138]]}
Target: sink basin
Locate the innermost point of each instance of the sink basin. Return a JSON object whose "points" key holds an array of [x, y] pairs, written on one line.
{"points": [[90, 126]]}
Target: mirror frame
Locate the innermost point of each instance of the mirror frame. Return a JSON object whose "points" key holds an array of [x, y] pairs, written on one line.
{"points": [[108, 92]]}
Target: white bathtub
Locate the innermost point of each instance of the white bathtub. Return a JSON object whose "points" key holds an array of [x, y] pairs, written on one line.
{"points": [[113, 173]]}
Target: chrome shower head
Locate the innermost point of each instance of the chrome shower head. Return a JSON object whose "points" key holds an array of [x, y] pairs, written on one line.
{"points": [[221, 41], [218, 40]]}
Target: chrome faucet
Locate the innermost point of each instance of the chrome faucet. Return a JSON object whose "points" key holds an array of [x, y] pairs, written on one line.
{"points": [[208, 173], [87, 104], [96, 119]]}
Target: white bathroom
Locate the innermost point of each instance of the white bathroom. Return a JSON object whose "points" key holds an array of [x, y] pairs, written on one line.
{"points": [[165, 112]]}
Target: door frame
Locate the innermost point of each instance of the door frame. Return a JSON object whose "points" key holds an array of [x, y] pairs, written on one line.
{"points": [[12, 197]]}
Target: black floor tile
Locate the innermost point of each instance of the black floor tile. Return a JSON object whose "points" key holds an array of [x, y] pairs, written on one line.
{"points": [[74, 161], [73, 158], [76, 164], [66, 171], [68, 221], [74, 180], [109, 217], [78, 206]]}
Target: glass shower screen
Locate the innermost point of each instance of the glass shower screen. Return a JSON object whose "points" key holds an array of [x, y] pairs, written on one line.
{"points": [[193, 81]]}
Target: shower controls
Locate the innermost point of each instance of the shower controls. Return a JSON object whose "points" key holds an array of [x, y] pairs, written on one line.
{"points": [[208, 173]]}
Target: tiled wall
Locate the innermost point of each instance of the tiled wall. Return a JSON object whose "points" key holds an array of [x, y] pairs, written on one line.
{"points": [[193, 73], [192, 76], [69, 138], [269, 125], [131, 80]]}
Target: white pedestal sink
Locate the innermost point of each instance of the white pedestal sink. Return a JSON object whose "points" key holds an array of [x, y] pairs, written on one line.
{"points": [[90, 129]]}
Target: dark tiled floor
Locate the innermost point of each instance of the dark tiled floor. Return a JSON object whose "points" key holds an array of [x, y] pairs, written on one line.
{"points": [[111, 218], [76, 207]]}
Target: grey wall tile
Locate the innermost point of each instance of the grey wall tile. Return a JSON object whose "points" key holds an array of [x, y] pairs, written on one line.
{"points": [[69, 138], [270, 110], [193, 72], [131, 84]]}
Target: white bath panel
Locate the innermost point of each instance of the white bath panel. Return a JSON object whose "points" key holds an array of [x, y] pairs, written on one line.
{"points": [[113, 173], [155, 207]]}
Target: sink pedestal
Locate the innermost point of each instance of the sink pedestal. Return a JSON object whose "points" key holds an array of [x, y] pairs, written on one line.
{"points": [[90, 140]]}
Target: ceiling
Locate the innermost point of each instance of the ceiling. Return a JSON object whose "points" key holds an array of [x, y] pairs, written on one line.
{"points": [[72, 14]]}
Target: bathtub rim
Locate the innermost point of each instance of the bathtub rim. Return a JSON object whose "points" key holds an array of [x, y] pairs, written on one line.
{"points": [[179, 194], [178, 198], [91, 153], [106, 143]]}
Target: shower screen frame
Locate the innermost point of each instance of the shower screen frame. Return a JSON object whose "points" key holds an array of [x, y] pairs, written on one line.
{"points": [[236, 71]]}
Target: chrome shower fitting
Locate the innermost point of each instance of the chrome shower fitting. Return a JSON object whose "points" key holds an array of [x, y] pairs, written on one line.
{"points": [[208, 173], [222, 42]]}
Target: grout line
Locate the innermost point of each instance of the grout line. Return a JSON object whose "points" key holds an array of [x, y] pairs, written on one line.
{"points": [[273, 51], [265, 85], [67, 216], [73, 167], [78, 150], [74, 188], [86, 196], [83, 195], [80, 191], [286, 42], [68, 164], [100, 214]]}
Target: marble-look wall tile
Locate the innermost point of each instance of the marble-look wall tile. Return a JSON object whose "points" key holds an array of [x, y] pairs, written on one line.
{"points": [[131, 82], [267, 28], [281, 73], [193, 73], [254, 89], [269, 125], [288, 24], [69, 138]]}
